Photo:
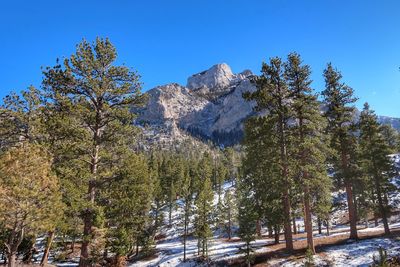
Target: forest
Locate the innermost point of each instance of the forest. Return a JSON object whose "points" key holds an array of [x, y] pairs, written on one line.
{"points": [[75, 185]]}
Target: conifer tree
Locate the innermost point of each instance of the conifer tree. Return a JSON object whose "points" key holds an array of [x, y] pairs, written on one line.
{"points": [[21, 118], [129, 196], [203, 218], [339, 111], [187, 196], [308, 142], [229, 211], [95, 98], [375, 162], [30, 199], [261, 169], [247, 216], [272, 96], [392, 136]]}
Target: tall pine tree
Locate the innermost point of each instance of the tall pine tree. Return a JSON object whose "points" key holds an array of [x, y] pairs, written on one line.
{"points": [[272, 97], [376, 165], [97, 97], [308, 142], [339, 111]]}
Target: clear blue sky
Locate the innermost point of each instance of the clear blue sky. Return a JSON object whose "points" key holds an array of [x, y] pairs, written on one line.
{"points": [[168, 40]]}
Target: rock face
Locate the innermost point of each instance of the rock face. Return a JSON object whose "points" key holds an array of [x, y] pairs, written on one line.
{"points": [[210, 106], [218, 76]]}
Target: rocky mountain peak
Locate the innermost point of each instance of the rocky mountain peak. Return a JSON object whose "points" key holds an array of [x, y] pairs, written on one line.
{"points": [[217, 77]]}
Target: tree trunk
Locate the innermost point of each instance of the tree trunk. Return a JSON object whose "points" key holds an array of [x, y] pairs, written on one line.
{"points": [[229, 224], [376, 219], [185, 233], [308, 219], [350, 198], [12, 259], [170, 213], [276, 234], [285, 174], [270, 231], [45, 257], [319, 226], [84, 260], [258, 228], [14, 241], [382, 209], [327, 227], [119, 261], [294, 224]]}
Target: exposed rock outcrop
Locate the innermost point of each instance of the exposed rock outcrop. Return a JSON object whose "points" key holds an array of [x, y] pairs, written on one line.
{"points": [[211, 107]]}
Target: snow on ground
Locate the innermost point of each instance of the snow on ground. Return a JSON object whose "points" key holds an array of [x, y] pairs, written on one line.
{"points": [[170, 249], [353, 253]]}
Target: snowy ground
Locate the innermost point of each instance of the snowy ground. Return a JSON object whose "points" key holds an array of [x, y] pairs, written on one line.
{"points": [[359, 253], [170, 249]]}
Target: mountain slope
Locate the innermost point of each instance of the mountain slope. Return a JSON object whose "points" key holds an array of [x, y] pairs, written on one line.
{"points": [[209, 107]]}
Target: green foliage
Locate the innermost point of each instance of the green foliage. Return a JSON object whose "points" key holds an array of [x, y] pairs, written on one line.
{"points": [[30, 200], [89, 108], [203, 215], [382, 260], [309, 259], [339, 112], [128, 197], [377, 168], [247, 216]]}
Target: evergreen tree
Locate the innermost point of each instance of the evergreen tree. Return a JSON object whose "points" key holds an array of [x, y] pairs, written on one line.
{"points": [[30, 199], [229, 211], [261, 169], [95, 98], [272, 96], [308, 142], [21, 118], [247, 216], [129, 196], [187, 197], [392, 136], [203, 218], [375, 162], [338, 101]]}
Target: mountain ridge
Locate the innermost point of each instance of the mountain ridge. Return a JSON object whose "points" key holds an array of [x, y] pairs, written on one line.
{"points": [[209, 107]]}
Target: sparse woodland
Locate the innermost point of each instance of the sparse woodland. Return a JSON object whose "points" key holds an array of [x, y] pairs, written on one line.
{"points": [[71, 174]]}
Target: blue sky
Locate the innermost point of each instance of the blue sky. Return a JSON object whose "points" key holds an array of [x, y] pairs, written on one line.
{"points": [[166, 41]]}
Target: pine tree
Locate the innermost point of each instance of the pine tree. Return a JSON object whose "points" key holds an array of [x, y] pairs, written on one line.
{"points": [[129, 196], [30, 199], [392, 136], [247, 216], [21, 118], [229, 211], [187, 196], [308, 142], [203, 218], [272, 96], [338, 101], [375, 162], [95, 98], [262, 172]]}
